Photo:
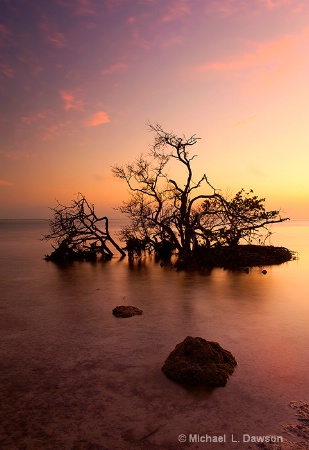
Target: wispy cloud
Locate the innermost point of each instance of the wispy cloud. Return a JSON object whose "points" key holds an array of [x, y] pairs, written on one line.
{"points": [[52, 35], [136, 28], [114, 68], [46, 125], [6, 183], [6, 36], [172, 41], [16, 154], [32, 61], [57, 39], [176, 10], [261, 54], [274, 4], [4, 30], [31, 118], [70, 101], [52, 132], [6, 71], [228, 8], [242, 122], [98, 118], [85, 8]]}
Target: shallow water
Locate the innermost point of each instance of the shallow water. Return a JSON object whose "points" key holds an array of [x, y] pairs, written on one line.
{"points": [[75, 377]]}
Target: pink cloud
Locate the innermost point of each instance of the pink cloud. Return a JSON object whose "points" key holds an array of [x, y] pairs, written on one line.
{"points": [[176, 10], [131, 20], [52, 132], [57, 39], [4, 29], [52, 35], [273, 4], [118, 67], [262, 54], [136, 27], [70, 102], [6, 183], [85, 8], [31, 118], [16, 155], [172, 41], [219, 8], [6, 36], [33, 62], [98, 118], [6, 71], [228, 8]]}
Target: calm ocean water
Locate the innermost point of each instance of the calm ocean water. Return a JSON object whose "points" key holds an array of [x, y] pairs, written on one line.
{"points": [[75, 377]]}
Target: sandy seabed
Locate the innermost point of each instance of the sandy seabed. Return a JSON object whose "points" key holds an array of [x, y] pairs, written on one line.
{"points": [[67, 389], [75, 377]]}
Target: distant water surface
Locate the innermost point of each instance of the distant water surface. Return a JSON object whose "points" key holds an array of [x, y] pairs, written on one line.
{"points": [[73, 375]]}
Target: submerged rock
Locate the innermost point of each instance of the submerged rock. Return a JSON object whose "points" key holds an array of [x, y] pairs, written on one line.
{"points": [[126, 311], [197, 361]]}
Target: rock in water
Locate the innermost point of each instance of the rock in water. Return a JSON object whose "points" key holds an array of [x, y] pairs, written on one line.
{"points": [[126, 311], [197, 361]]}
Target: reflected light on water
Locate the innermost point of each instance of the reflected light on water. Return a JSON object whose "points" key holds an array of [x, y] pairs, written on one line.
{"points": [[63, 350]]}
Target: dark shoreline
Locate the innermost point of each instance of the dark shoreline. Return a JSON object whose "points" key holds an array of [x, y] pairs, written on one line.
{"points": [[240, 257]]}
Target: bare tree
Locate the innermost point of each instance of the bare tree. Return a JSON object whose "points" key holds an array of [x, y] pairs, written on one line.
{"points": [[182, 212], [161, 208], [78, 233]]}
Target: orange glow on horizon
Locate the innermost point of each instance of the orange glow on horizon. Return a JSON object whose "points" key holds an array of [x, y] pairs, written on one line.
{"points": [[74, 103]]}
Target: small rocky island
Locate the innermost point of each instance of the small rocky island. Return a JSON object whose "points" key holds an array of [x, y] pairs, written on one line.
{"points": [[235, 258], [127, 311], [197, 361]]}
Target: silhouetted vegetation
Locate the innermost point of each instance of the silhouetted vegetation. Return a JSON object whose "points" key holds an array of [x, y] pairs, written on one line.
{"points": [[192, 217], [178, 214], [78, 233]]}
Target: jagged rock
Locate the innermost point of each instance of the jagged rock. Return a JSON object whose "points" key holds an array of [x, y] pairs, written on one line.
{"points": [[126, 311], [197, 361]]}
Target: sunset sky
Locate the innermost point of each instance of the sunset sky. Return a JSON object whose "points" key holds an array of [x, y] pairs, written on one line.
{"points": [[79, 80]]}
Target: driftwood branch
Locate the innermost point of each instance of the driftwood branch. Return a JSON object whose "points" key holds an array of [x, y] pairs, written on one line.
{"points": [[78, 233]]}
